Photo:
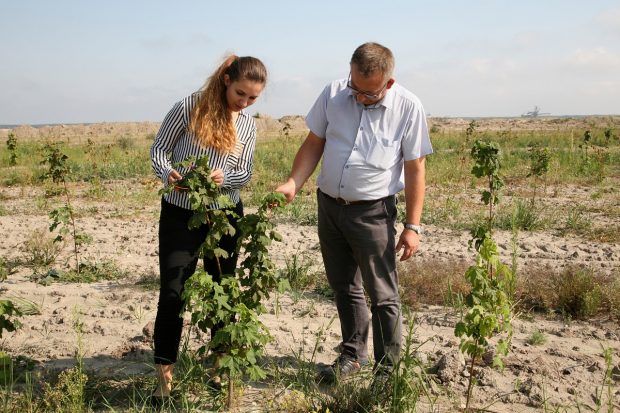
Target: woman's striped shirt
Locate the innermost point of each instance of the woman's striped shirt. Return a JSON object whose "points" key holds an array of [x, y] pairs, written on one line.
{"points": [[174, 143]]}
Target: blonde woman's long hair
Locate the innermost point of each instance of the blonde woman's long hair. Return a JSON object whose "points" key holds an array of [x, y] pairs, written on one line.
{"points": [[211, 119]]}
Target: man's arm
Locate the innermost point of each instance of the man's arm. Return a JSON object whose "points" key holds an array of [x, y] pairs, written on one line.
{"points": [[415, 186], [306, 160]]}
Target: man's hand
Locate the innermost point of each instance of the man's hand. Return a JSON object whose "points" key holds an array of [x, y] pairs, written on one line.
{"points": [[289, 190], [409, 241]]}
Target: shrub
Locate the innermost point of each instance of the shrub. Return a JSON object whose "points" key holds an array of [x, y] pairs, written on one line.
{"points": [[577, 220], [125, 142], [578, 294], [523, 215], [40, 250], [576, 291], [536, 338]]}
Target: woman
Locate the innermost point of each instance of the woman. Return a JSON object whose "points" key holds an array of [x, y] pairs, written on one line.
{"points": [[210, 122]]}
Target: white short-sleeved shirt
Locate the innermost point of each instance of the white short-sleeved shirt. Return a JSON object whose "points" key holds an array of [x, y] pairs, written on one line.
{"points": [[365, 146]]}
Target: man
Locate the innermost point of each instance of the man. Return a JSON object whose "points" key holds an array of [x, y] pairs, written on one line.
{"points": [[373, 137]]}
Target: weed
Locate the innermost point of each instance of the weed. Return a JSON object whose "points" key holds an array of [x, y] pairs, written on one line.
{"points": [[103, 270], [577, 220], [40, 250], [68, 394], [447, 212], [25, 306], [9, 315], [432, 282], [578, 294], [607, 386], [7, 267], [148, 281], [298, 272], [125, 142], [524, 215], [537, 338]]}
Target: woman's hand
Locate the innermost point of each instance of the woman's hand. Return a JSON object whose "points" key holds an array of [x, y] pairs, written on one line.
{"points": [[174, 177], [218, 176]]}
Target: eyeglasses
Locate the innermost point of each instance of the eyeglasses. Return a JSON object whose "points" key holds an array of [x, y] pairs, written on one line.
{"points": [[366, 95]]}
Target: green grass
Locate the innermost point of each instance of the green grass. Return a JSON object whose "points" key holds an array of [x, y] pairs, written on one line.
{"points": [[537, 338], [129, 158]]}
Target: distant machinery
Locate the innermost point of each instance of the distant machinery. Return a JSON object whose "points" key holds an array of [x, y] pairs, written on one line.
{"points": [[535, 113]]}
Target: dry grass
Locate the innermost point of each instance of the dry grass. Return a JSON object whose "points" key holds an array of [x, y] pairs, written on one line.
{"points": [[577, 292], [430, 282]]}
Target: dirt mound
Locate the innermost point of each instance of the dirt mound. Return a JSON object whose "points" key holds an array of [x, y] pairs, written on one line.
{"points": [[266, 126]]}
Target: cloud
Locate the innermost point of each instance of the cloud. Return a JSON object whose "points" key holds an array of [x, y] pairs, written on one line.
{"points": [[158, 43], [609, 21], [199, 39], [597, 60], [527, 40]]}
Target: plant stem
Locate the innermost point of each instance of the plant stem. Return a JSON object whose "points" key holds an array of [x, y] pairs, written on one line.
{"points": [[471, 381], [75, 246]]}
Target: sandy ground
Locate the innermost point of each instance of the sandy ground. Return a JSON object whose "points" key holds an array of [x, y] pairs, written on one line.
{"points": [[117, 316]]}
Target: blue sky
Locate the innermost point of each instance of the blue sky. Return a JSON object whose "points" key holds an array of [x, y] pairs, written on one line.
{"points": [[81, 61]]}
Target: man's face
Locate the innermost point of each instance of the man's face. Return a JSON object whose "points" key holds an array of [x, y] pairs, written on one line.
{"points": [[368, 90]]}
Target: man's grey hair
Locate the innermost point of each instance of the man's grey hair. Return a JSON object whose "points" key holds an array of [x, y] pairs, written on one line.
{"points": [[371, 58]]}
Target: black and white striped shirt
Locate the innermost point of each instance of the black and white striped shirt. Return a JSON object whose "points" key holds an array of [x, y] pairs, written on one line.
{"points": [[174, 143]]}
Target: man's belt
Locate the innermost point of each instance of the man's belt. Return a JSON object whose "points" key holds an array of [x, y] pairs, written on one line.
{"points": [[341, 201]]}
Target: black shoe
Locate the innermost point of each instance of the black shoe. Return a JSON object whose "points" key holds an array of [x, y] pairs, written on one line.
{"points": [[158, 402], [381, 379], [344, 366]]}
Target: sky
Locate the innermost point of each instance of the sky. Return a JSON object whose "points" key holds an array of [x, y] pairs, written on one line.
{"points": [[114, 61]]}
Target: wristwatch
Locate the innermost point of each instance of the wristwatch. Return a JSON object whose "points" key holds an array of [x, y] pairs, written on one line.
{"points": [[415, 228]]}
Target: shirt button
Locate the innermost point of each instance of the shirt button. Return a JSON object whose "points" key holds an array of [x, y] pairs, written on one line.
{"points": [[346, 167], [355, 148], [341, 186], [361, 128]]}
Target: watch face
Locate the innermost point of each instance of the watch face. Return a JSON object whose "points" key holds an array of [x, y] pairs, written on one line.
{"points": [[416, 228]]}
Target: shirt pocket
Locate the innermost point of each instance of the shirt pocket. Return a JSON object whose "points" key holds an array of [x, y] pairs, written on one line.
{"points": [[381, 152]]}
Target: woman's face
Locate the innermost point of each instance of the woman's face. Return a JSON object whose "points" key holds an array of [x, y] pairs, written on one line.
{"points": [[241, 93]]}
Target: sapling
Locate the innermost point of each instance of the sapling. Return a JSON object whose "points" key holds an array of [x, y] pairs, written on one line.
{"points": [[489, 306], [469, 133], [539, 166], [587, 143], [11, 145], [232, 304], [63, 218], [609, 134]]}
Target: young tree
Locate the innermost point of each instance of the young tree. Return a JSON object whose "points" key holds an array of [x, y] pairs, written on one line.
{"points": [[11, 145], [62, 217], [489, 307], [234, 303]]}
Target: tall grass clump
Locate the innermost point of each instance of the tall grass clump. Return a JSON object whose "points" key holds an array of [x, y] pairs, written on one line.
{"points": [[522, 215], [403, 391], [577, 292]]}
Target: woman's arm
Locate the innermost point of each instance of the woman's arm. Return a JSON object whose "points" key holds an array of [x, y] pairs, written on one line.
{"points": [[169, 133], [241, 174]]}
